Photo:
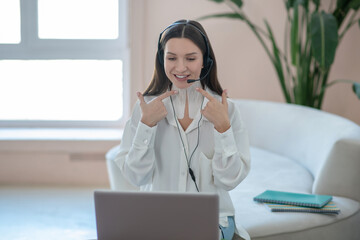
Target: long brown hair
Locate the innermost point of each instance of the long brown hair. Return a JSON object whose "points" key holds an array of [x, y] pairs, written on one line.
{"points": [[193, 31]]}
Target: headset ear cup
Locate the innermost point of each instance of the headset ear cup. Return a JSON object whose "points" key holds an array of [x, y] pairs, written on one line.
{"points": [[207, 68], [160, 52], [208, 62]]}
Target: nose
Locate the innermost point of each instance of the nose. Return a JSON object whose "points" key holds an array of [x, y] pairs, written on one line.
{"points": [[181, 66]]}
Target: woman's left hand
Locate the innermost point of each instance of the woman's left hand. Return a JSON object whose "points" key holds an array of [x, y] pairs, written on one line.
{"points": [[216, 112]]}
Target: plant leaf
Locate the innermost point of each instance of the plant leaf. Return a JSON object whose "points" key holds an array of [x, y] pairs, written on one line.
{"points": [[292, 3], [238, 3], [277, 63], [222, 15], [341, 3], [324, 38], [356, 89], [305, 3], [294, 35], [355, 4], [342, 9]]}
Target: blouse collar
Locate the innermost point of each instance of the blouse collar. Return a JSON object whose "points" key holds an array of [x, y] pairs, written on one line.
{"points": [[170, 112]]}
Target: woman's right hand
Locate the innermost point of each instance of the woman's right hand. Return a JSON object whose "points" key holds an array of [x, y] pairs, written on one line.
{"points": [[155, 110]]}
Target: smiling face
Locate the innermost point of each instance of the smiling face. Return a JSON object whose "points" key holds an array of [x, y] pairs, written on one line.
{"points": [[183, 60]]}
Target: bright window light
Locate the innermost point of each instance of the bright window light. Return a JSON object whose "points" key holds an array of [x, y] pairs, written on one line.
{"points": [[10, 21], [78, 19], [84, 90]]}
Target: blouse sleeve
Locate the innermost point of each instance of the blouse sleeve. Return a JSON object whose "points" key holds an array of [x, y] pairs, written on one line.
{"points": [[136, 155], [231, 161]]}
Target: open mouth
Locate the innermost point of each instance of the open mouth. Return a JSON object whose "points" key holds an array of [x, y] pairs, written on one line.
{"points": [[181, 77]]}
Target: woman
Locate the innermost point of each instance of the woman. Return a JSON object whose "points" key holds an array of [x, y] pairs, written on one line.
{"points": [[184, 134]]}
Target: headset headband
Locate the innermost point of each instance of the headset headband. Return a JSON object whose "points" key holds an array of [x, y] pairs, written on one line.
{"points": [[207, 58]]}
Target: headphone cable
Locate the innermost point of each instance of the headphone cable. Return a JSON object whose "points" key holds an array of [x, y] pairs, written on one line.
{"points": [[188, 161]]}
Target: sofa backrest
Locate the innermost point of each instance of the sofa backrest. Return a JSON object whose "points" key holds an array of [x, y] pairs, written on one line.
{"points": [[301, 133]]}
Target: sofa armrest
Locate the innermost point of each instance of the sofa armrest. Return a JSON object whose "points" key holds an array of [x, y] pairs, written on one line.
{"points": [[340, 174], [304, 134], [117, 181]]}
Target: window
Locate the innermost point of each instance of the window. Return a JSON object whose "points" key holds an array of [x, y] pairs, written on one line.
{"points": [[63, 63], [9, 21], [98, 20]]}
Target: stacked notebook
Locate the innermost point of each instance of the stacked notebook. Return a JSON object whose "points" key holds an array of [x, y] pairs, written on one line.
{"points": [[278, 201]]}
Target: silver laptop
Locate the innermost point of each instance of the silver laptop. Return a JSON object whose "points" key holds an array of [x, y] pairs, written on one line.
{"points": [[156, 215]]}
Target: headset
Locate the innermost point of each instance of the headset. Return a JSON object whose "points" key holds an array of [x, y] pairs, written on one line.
{"points": [[208, 64], [207, 60]]}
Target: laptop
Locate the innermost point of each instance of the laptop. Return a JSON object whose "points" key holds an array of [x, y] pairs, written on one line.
{"points": [[156, 215]]}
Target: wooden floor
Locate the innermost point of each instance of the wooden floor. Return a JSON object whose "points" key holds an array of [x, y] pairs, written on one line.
{"points": [[47, 213]]}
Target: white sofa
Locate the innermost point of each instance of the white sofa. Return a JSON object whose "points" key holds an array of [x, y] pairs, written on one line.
{"points": [[297, 149]]}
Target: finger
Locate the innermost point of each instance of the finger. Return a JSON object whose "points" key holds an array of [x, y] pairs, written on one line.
{"points": [[224, 97], [167, 94], [205, 94], [140, 97]]}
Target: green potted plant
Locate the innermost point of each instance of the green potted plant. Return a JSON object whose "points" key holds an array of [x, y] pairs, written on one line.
{"points": [[312, 38]]}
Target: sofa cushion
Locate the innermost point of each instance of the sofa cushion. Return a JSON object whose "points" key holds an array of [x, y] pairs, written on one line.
{"points": [[276, 172]]}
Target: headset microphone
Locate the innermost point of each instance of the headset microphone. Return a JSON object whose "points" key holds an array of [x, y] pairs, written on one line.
{"points": [[207, 73], [193, 80]]}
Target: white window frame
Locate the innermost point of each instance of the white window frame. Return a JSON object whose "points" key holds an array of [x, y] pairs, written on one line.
{"points": [[34, 48]]}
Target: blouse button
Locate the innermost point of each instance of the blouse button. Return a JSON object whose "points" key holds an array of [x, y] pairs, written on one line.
{"points": [[146, 141]]}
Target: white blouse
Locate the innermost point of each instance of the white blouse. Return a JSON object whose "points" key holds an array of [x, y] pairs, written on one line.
{"points": [[153, 157]]}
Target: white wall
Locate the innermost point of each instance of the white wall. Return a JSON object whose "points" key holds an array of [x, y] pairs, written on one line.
{"points": [[243, 66]]}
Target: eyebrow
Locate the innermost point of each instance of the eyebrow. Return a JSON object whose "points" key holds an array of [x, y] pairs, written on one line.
{"points": [[193, 53]]}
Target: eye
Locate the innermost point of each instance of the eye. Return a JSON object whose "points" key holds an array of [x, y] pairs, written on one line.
{"points": [[191, 59], [171, 58]]}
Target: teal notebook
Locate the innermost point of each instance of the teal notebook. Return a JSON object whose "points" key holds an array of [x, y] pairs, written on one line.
{"points": [[290, 198], [329, 208]]}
